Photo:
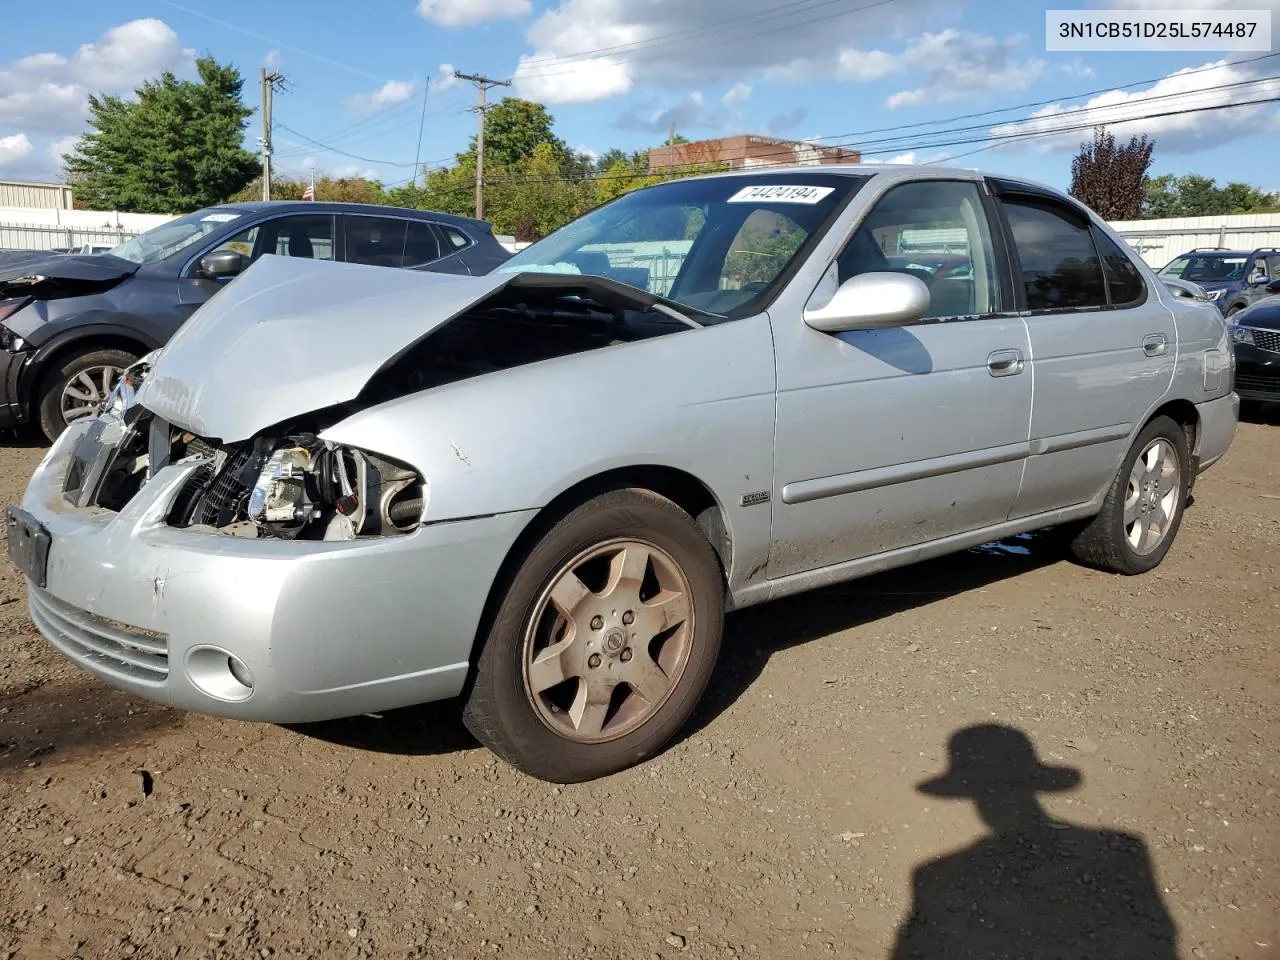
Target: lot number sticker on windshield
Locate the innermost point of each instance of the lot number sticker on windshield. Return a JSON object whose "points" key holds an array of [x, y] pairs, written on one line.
{"points": [[781, 193], [220, 218]]}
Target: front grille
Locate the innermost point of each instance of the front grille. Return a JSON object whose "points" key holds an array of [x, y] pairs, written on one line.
{"points": [[1267, 340], [113, 647], [1256, 384], [212, 497]]}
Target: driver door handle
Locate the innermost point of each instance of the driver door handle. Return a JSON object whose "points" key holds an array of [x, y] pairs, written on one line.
{"points": [[1155, 345], [1005, 363]]}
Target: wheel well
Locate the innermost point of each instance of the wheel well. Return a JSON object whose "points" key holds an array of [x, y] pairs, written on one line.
{"points": [[1182, 412], [685, 490], [36, 373]]}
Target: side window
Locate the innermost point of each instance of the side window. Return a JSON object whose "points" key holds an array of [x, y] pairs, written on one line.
{"points": [[1124, 281], [763, 247], [421, 245], [936, 230], [1060, 266], [456, 237], [242, 243], [378, 241], [309, 237], [1259, 269]]}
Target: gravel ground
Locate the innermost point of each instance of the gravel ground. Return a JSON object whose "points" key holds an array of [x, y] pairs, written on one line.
{"points": [[786, 822]]}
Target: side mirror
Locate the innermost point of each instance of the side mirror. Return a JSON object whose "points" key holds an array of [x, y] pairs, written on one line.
{"points": [[871, 300], [221, 264], [1260, 281]]}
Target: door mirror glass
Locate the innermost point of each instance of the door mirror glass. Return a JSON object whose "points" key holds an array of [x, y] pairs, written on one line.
{"points": [[871, 300], [1261, 280], [221, 264]]}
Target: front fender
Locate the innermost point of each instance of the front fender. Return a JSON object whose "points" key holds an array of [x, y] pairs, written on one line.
{"points": [[700, 401]]}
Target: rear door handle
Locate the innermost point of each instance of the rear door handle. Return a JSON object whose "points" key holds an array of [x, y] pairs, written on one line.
{"points": [[1005, 363], [1155, 345]]}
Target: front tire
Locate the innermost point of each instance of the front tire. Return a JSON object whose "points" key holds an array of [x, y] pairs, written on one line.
{"points": [[602, 641], [1142, 511], [77, 386]]}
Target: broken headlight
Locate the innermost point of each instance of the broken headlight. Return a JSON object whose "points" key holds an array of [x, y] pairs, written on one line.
{"points": [[124, 393], [317, 490]]}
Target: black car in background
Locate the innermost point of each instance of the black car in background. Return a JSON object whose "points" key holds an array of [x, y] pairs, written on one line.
{"points": [[70, 324], [1256, 332]]}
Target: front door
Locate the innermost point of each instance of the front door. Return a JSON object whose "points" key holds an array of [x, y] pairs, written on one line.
{"points": [[890, 438], [1103, 348]]}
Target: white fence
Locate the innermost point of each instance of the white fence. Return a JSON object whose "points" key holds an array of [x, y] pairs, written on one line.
{"points": [[28, 228], [1159, 241]]}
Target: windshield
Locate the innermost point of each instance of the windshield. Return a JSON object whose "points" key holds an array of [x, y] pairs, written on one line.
{"points": [[1206, 269], [720, 245], [168, 238]]}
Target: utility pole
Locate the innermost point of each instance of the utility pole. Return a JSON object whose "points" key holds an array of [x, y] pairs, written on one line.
{"points": [[270, 83], [483, 84], [422, 122]]}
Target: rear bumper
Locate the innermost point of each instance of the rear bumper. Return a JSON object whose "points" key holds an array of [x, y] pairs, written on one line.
{"points": [[322, 630], [1218, 421]]}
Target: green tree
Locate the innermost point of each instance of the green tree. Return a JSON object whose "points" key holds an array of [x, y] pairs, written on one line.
{"points": [[512, 129], [1109, 178], [1196, 196], [333, 189], [176, 149]]}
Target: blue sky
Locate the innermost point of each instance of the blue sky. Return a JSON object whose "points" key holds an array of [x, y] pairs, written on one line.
{"points": [[616, 72]]}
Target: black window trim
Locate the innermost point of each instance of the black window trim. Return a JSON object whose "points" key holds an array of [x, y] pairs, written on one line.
{"points": [[1012, 190], [185, 272], [1006, 304]]}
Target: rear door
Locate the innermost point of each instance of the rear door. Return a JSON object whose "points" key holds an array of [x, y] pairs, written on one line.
{"points": [[1103, 347]]}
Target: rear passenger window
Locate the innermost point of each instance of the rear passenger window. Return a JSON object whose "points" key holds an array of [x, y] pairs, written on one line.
{"points": [[456, 237], [1060, 266], [379, 241], [421, 245], [1124, 282]]}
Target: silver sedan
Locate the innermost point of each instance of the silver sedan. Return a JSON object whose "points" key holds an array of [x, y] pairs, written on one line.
{"points": [[342, 489]]}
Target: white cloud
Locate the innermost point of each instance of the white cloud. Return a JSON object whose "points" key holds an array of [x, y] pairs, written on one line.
{"points": [[467, 13], [1182, 90], [444, 78], [60, 147], [14, 149], [953, 64], [352, 171], [588, 152], [48, 92], [387, 95], [1077, 69], [738, 94], [273, 59], [585, 50], [910, 157]]}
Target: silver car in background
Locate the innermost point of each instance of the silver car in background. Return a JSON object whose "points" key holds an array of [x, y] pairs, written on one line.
{"points": [[341, 489]]}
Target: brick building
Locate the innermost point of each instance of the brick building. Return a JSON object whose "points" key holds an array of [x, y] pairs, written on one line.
{"points": [[746, 150]]}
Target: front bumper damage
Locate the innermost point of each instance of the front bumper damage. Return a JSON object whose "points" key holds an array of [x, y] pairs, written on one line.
{"points": [[257, 629]]}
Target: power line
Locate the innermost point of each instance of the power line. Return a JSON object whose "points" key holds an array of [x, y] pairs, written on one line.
{"points": [[271, 40], [719, 43], [353, 156]]}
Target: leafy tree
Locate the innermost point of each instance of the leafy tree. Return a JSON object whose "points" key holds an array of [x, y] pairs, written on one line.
{"points": [[333, 189], [176, 149], [1109, 178], [1196, 196], [512, 129]]}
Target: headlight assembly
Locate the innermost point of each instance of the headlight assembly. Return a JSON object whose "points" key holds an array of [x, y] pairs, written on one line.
{"points": [[1241, 334], [316, 490], [1215, 294]]}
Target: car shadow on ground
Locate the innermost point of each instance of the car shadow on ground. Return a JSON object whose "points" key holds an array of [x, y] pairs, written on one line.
{"points": [[752, 636], [1268, 414], [1033, 886], [755, 634], [59, 719]]}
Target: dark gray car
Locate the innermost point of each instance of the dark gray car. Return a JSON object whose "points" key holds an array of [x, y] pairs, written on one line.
{"points": [[71, 324]]}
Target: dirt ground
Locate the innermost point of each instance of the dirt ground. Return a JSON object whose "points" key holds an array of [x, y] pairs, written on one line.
{"points": [[786, 822]]}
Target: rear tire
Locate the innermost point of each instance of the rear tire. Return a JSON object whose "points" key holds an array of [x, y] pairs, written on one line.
{"points": [[77, 383], [1142, 511], [602, 640]]}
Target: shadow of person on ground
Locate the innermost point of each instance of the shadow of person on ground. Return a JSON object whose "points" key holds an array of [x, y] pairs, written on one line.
{"points": [[1034, 888]]}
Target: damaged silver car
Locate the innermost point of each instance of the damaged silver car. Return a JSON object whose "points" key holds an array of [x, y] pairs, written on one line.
{"points": [[341, 489]]}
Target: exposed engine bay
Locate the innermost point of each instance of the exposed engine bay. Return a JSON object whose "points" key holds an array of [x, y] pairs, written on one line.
{"points": [[288, 483]]}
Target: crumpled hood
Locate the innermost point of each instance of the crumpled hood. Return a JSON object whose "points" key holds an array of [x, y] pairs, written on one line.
{"points": [[291, 335], [91, 268]]}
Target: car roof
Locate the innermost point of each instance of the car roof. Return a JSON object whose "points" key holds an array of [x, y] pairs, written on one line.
{"points": [[323, 206]]}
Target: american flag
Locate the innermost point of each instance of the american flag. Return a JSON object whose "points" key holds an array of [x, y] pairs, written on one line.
{"points": [[310, 192]]}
